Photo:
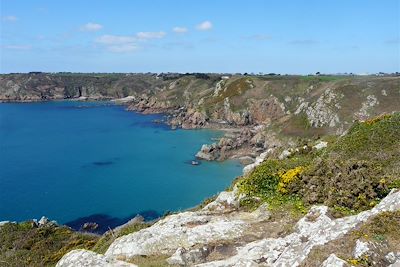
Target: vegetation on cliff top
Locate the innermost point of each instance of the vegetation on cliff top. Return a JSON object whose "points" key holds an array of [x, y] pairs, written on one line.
{"points": [[26, 244], [351, 175]]}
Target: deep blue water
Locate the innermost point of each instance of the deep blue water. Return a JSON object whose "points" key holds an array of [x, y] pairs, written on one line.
{"points": [[71, 160]]}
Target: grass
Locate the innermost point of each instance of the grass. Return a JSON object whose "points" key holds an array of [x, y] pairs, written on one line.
{"points": [[150, 261], [322, 78], [384, 226], [24, 244], [235, 88], [368, 140]]}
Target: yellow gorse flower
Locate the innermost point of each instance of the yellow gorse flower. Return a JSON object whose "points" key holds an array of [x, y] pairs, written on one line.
{"points": [[287, 177]]}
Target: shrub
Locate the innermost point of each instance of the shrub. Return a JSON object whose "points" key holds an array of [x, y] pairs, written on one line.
{"points": [[288, 177]]}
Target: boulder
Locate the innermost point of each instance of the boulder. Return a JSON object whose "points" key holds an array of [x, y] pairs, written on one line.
{"points": [[188, 257], [247, 169], [43, 221], [85, 258], [360, 249], [334, 261], [208, 152]]}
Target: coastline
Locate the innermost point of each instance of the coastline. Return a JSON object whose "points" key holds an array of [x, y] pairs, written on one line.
{"points": [[211, 152]]}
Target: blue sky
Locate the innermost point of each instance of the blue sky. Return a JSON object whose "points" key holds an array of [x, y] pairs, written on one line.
{"points": [[287, 36]]}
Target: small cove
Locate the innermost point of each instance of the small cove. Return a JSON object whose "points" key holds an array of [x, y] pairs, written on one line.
{"points": [[92, 161]]}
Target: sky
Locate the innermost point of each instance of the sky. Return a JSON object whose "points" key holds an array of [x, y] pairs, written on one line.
{"points": [[286, 36]]}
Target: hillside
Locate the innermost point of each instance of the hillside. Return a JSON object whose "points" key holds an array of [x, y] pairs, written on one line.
{"points": [[261, 111]]}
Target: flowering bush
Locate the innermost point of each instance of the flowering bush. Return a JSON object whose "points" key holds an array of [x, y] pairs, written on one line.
{"points": [[288, 177]]}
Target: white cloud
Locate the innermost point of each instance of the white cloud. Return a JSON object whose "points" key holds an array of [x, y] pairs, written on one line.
{"points": [[150, 35], [204, 26], [118, 43], [9, 18], [91, 27], [180, 30], [116, 39], [18, 47], [127, 43]]}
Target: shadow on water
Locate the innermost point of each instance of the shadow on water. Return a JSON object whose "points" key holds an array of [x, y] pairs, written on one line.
{"points": [[102, 163], [151, 124], [106, 222]]}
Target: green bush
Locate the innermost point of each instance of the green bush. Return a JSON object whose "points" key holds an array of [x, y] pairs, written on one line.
{"points": [[353, 174]]}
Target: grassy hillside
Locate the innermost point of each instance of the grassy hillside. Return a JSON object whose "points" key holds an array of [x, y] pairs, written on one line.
{"points": [[25, 244], [352, 174]]}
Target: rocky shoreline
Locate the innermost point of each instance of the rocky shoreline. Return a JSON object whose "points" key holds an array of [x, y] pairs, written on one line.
{"points": [[239, 142]]}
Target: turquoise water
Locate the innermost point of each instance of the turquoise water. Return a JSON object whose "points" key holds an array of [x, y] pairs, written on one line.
{"points": [[78, 161]]}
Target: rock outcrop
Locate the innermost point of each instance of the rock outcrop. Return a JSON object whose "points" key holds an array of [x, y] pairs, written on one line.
{"points": [[85, 258], [334, 261], [189, 238], [314, 229]]}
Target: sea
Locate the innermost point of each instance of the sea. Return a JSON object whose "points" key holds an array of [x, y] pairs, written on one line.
{"points": [[77, 162]]}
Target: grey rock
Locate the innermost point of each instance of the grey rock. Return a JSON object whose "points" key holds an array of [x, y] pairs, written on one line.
{"points": [[43, 221], [334, 261], [85, 258]]}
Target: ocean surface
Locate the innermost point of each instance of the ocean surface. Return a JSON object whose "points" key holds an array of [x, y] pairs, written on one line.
{"points": [[76, 162]]}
